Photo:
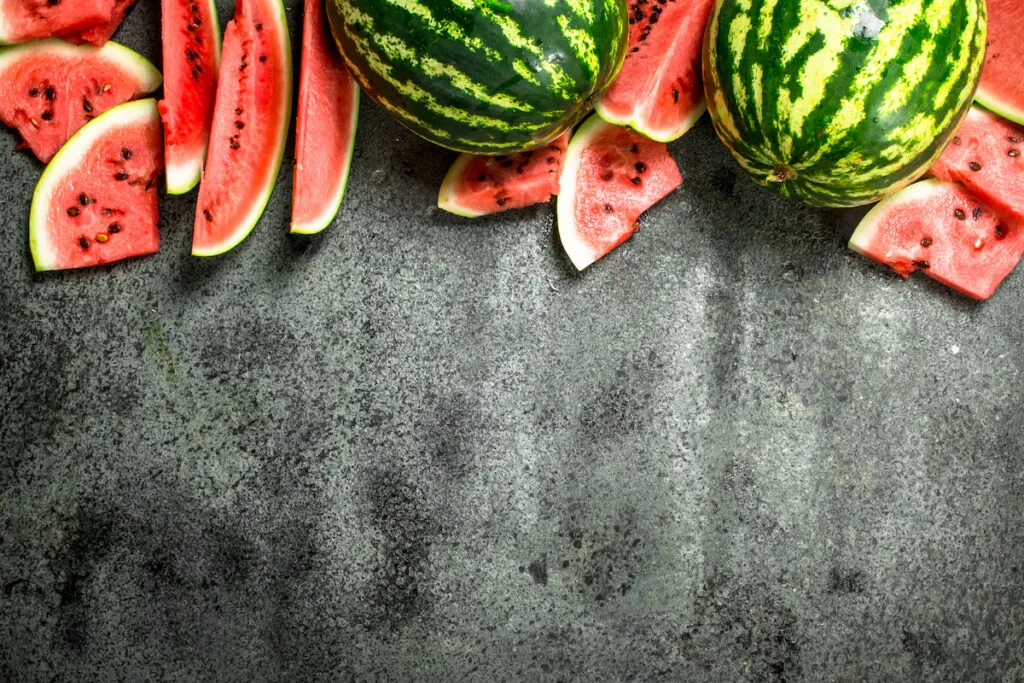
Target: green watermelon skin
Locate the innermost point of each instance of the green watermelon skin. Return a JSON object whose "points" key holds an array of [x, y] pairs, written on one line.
{"points": [[483, 76], [841, 103]]}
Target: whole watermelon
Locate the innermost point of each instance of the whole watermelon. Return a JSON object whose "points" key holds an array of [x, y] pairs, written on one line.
{"points": [[483, 76], [841, 102]]}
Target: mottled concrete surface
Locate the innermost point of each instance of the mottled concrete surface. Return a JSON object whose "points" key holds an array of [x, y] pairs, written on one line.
{"points": [[423, 448]]}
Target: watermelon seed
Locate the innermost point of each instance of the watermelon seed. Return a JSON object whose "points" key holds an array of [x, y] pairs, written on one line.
{"points": [[126, 153], [34, 92], [47, 116], [635, 180], [233, 143], [975, 166], [607, 175], [922, 264], [1013, 139], [634, 148], [481, 178], [239, 125], [50, 93], [106, 88], [87, 106], [501, 201], [101, 237], [195, 75], [73, 211], [959, 213], [114, 228], [259, 27], [640, 167], [190, 55], [83, 242], [926, 241], [241, 67], [107, 212], [52, 2], [1013, 153], [550, 160], [35, 124], [607, 208], [956, 139], [207, 215], [149, 184], [120, 175], [83, 199], [675, 95], [197, 22], [263, 58], [1000, 233], [976, 212], [238, 112]]}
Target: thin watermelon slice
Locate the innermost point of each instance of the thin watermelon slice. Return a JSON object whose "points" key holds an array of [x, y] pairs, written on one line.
{"points": [[476, 185], [191, 52], [987, 156], [944, 231], [250, 123], [24, 20], [325, 127], [49, 88], [96, 202], [610, 176], [1001, 88], [99, 34], [659, 92]]}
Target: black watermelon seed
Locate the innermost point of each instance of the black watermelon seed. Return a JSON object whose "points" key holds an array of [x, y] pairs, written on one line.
{"points": [[607, 208], [956, 140], [635, 180], [52, 2], [607, 175], [107, 212], [126, 153], [47, 116], [87, 106], [975, 166], [83, 242], [675, 95], [73, 211], [83, 199], [634, 148], [1011, 138], [926, 241], [640, 167], [263, 58], [241, 67], [207, 215], [50, 93], [501, 201], [550, 160], [239, 125], [34, 92], [120, 175], [1014, 153], [922, 264], [976, 212], [1000, 233], [114, 228], [959, 213], [238, 112], [259, 27], [233, 143]]}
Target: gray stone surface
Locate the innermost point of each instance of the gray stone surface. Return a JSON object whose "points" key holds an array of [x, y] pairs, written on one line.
{"points": [[419, 447]]}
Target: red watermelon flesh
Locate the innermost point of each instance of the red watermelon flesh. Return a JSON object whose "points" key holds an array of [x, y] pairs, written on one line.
{"points": [[987, 156], [96, 202], [1002, 88], [191, 59], [251, 116], [23, 20], [49, 88], [944, 231], [610, 176], [659, 91], [101, 33], [476, 184], [325, 126]]}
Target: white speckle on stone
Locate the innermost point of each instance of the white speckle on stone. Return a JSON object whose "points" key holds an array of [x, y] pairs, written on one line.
{"points": [[954, 349]]}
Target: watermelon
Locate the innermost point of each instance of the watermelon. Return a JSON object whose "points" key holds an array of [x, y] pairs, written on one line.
{"points": [[101, 33], [479, 184], [839, 104], [96, 202], [944, 231], [610, 176], [1001, 88], [191, 52], [49, 88], [483, 76], [659, 91], [24, 20], [987, 156], [250, 122], [325, 126]]}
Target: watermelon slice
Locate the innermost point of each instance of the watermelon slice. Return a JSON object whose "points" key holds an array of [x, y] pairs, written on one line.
{"points": [[944, 231], [476, 184], [1001, 88], [96, 202], [659, 91], [23, 20], [610, 176], [99, 34], [191, 52], [325, 127], [250, 123], [987, 156], [49, 88]]}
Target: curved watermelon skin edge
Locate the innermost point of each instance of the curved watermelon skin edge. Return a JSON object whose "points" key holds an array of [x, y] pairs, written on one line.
{"points": [[996, 105], [446, 195], [182, 178], [73, 149], [658, 135], [126, 58], [260, 204], [319, 223]]}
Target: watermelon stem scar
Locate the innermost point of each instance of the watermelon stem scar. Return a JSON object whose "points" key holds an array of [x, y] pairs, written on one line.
{"points": [[781, 173]]}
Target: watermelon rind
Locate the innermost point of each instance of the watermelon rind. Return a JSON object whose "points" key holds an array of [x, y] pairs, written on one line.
{"points": [[261, 195], [44, 254], [447, 197], [330, 209], [123, 58], [864, 234], [999, 105], [184, 172]]}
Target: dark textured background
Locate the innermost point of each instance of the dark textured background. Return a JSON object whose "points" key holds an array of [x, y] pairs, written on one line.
{"points": [[418, 447]]}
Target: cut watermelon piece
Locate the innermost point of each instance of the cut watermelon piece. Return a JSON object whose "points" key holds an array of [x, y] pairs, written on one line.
{"points": [[99, 34], [325, 127], [191, 52], [96, 202], [477, 184], [49, 88], [987, 156], [24, 20], [250, 123], [610, 176], [659, 91], [1001, 88], [944, 231]]}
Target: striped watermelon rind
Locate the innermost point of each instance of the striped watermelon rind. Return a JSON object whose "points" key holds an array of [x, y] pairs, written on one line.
{"points": [[483, 76], [834, 105]]}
